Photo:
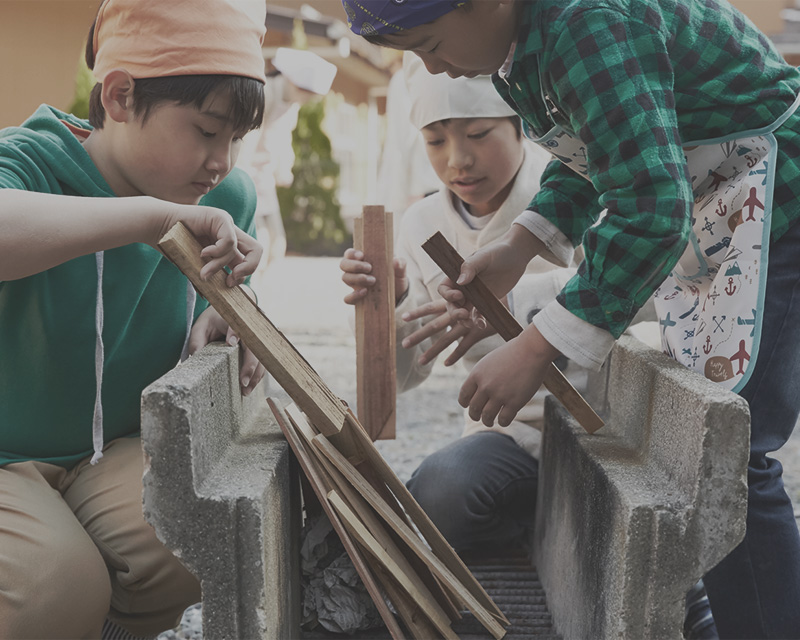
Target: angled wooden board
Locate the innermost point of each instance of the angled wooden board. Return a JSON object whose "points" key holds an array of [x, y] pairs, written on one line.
{"points": [[402, 555], [321, 489], [444, 552], [445, 564], [255, 330], [388, 560], [497, 315]]}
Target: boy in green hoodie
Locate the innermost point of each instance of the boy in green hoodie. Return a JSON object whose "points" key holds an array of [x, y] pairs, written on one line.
{"points": [[91, 312]]}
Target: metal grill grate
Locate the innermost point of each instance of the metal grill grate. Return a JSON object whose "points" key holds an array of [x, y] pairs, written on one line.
{"points": [[512, 583]]}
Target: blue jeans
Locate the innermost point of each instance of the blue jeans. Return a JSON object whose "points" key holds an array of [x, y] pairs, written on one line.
{"points": [[755, 591], [479, 491]]}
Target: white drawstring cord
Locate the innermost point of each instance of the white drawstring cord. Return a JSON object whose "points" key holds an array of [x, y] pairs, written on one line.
{"points": [[99, 353], [191, 299], [99, 358]]}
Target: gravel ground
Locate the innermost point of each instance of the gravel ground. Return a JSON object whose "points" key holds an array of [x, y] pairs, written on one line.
{"points": [[303, 298]]}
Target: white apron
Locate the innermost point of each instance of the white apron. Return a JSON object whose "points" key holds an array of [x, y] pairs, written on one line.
{"points": [[708, 306]]}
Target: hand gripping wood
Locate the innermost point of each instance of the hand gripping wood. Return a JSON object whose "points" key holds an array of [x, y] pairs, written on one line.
{"points": [[497, 315], [254, 329]]}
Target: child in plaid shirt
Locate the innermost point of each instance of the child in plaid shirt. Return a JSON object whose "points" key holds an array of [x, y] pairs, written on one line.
{"points": [[676, 138]]}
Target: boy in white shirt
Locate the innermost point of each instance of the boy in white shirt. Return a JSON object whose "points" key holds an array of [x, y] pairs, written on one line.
{"points": [[480, 491]]}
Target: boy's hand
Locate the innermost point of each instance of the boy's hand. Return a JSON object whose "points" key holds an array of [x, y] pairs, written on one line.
{"points": [[467, 336], [503, 381], [500, 265], [210, 327], [356, 275], [224, 244]]}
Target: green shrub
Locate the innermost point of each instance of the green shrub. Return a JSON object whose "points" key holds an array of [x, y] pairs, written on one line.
{"points": [[310, 211], [84, 81]]}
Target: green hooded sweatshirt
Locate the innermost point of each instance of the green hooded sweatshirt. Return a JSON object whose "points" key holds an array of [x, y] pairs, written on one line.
{"points": [[47, 320]]}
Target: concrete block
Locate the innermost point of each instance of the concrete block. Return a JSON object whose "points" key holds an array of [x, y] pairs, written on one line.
{"points": [[222, 491], [630, 518]]}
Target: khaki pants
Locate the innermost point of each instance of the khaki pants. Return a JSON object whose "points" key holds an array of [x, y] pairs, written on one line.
{"points": [[75, 549]]}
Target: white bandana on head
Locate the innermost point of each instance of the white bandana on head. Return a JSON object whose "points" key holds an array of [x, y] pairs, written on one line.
{"points": [[439, 97]]}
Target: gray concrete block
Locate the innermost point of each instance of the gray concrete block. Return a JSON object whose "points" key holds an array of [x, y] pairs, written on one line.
{"points": [[221, 490], [630, 518]]}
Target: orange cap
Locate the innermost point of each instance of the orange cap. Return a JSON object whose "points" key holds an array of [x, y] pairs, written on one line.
{"points": [[158, 38]]}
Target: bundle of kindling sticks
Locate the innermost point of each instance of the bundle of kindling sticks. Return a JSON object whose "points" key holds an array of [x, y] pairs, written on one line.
{"points": [[394, 546], [396, 549]]}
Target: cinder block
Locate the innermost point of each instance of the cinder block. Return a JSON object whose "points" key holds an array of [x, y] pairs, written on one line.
{"points": [[221, 491], [628, 519]]}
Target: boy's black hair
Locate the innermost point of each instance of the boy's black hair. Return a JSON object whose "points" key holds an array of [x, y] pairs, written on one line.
{"points": [[247, 94], [380, 39]]}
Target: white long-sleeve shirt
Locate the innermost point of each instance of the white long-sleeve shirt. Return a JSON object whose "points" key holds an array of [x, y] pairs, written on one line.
{"points": [[539, 286]]}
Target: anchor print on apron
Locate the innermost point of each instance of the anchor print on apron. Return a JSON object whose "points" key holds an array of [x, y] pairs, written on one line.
{"points": [[708, 307]]}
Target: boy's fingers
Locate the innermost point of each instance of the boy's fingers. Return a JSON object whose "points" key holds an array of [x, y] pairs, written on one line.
{"points": [[507, 415], [429, 308], [466, 343], [451, 293], [231, 338], [355, 296], [441, 344], [211, 267], [476, 404], [426, 331], [353, 254], [258, 376], [489, 413], [249, 373], [466, 392], [355, 266], [358, 280], [196, 342], [467, 273]]}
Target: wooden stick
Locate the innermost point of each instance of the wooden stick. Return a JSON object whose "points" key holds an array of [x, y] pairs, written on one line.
{"points": [[464, 587], [368, 541], [405, 557], [497, 315], [414, 618], [376, 377], [444, 552], [255, 330], [321, 490]]}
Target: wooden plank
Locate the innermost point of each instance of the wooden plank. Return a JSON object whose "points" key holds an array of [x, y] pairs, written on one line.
{"points": [[497, 315], [418, 624], [368, 541], [412, 615], [418, 572], [444, 552], [255, 330], [346, 443], [441, 560], [308, 466], [376, 366], [405, 603]]}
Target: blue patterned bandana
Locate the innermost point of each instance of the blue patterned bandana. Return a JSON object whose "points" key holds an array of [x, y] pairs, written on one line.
{"points": [[372, 17]]}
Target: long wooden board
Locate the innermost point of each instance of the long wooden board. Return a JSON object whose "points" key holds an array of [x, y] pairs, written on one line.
{"points": [[497, 315], [405, 557], [371, 544], [255, 330], [321, 490], [465, 588], [376, 360], [421, 520]]}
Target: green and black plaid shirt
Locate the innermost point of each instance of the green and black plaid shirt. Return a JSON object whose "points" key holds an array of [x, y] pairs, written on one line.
{"points": [[634, 80]]}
